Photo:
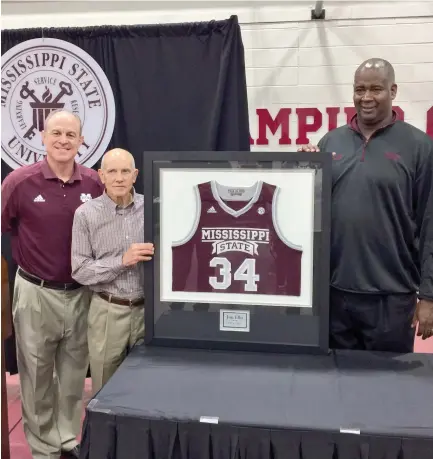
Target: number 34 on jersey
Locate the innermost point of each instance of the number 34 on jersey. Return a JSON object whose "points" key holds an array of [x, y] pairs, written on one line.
{"points": [[246, 273]]}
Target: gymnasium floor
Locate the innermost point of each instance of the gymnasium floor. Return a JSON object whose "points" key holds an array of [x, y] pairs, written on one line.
{"points": [[19, 448]]}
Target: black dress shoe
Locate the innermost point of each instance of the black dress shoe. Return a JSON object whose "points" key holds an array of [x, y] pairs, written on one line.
{"points": [[72, 453]]}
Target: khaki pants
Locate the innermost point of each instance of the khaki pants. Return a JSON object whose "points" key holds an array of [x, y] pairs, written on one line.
{"points": [[51, 336], [112, 330]]}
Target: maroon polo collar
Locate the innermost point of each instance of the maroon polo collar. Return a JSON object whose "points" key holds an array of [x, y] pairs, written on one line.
{"points": [[354, 121], [49, 174]]}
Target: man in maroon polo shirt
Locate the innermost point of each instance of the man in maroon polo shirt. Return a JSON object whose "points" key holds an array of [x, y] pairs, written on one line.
{"points": [[49, 307]]}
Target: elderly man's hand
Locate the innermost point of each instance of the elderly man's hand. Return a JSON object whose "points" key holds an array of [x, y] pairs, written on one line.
{"points": [[424, 318], [138, 252]]}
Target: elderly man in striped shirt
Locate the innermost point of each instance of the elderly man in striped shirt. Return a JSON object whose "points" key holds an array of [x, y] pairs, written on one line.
{"points": [[108, 251]]}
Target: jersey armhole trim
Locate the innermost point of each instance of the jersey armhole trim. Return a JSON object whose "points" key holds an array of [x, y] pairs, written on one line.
{"points": [[196, 221], [276, 225]]}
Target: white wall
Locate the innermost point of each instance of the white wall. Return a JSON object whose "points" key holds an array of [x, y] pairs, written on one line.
{"points": [[292, 62]]}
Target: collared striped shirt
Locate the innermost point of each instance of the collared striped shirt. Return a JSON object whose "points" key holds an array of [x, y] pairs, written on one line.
{"points": [[102, 232]]}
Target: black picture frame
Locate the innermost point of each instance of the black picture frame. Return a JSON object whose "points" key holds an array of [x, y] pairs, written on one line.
{"points": [[154, 161]]}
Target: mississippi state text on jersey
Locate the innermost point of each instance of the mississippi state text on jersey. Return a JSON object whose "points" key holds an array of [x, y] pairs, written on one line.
{"points": [[235, 245]]}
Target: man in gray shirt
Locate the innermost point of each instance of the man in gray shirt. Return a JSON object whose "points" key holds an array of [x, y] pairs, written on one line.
{"points": [[108, 249]]}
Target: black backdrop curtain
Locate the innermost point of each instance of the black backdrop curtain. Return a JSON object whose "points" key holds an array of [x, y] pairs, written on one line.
{"points": [[176, 87]]}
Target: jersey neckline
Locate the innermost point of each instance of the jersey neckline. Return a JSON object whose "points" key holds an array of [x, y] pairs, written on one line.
{"points": [[235, 213]]}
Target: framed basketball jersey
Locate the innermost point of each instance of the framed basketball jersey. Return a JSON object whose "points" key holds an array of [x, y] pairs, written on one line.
{"points": [[241, 250]]}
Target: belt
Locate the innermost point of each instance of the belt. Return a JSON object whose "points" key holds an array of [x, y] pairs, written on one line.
{"points": [[121, 301], [48, 284]]}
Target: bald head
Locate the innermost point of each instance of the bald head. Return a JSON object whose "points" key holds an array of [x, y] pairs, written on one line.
{"points": [[59, 115], [117, 154], [374, 90], [380, 65], [118, 174]]}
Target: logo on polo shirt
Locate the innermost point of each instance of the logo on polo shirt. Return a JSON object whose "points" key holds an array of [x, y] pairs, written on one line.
{"points": [[43, 75], [85, 197], [39, 198]]}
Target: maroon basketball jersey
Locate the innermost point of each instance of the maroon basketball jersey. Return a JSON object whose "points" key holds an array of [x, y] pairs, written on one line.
{"points": [[235, 245]]}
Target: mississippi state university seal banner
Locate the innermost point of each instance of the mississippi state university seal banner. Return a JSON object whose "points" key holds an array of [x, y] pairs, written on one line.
{"points": [[43, 75]]}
